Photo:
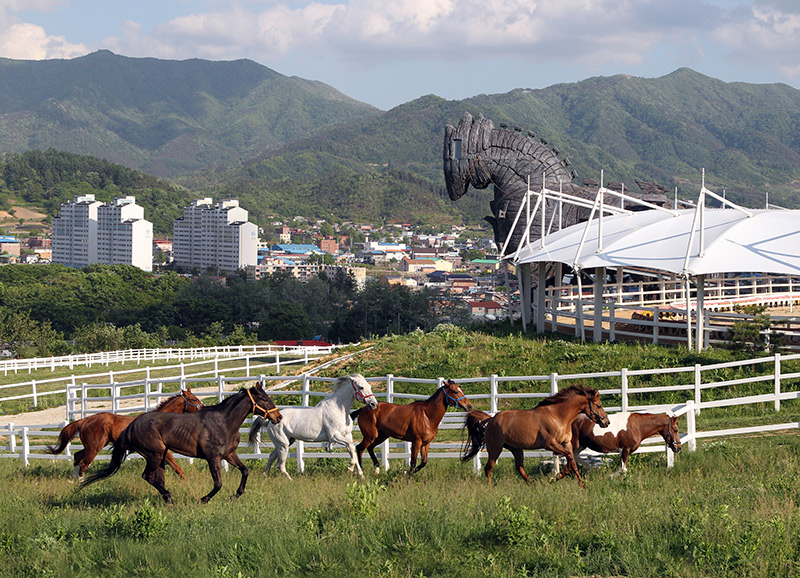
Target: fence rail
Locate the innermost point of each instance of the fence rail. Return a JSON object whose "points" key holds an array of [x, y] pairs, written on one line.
{"points": [[481, 390], [281, 356]]}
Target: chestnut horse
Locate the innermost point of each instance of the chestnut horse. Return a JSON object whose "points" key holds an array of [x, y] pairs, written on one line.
{"points": [[416, 422], [548, 425], [625, 432], [211, 433], [98, 430]]}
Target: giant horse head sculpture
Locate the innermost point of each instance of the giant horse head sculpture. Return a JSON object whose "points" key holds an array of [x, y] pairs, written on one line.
{"points": [[477, 154]]}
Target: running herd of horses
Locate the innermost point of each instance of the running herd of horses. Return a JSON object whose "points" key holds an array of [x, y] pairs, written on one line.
{"points": [[565, 423]]}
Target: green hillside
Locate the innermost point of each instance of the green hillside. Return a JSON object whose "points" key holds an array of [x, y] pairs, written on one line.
{"points": [[164, 117], [666, 129]]}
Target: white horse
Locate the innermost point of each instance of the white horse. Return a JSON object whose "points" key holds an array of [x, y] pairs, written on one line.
{"points": [[329, 421]]}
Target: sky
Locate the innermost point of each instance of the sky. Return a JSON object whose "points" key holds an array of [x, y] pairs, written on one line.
{"points": [[389, 52]]}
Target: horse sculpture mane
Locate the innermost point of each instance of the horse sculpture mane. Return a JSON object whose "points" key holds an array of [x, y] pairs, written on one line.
{"points": [[477, 154], [566, 393]]}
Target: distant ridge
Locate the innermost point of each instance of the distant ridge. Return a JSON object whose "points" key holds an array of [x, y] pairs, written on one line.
{"points": [[163, 116]]}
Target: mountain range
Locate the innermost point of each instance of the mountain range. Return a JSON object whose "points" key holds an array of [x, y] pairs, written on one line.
{"points": [[290, 146]]}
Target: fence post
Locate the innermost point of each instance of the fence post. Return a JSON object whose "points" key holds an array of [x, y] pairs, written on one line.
{"points": [[385, 444], [493, 394], [300, 445], [553, 383], [216, 367], [68, 449], [114, 393], [83, 399], [12, 438], [612, 311], [697, 379], [623, 374], [691, 425], [277, 363], [33, 390], [247, 366], [656, 319], [26, 446], [777, 381], [220, 388]]}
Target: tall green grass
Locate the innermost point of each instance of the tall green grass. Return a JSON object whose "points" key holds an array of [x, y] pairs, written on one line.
{"points": [[729, 509]]}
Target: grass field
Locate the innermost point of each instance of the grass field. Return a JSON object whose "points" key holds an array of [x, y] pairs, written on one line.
{"points": [[729, 509]]}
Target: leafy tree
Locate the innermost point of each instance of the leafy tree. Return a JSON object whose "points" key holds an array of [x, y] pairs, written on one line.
{"points": [[285, 321]]}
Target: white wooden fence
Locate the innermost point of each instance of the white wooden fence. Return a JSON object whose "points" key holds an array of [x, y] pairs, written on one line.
{"points": [[627, 385], [207, 365], [140, 356]]}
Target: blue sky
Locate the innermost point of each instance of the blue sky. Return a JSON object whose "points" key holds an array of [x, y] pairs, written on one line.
{"points": [[387, 52]]}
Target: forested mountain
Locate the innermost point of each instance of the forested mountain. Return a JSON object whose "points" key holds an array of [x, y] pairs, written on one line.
{"points": [[162, 116], [666, 129], [286, 146]]}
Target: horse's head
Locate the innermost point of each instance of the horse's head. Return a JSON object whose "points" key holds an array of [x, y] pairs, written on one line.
{"points": [[671, 435], [594, 408], [363, 390], [464, 148], [263, 403], [454, 396], [191, 403]]}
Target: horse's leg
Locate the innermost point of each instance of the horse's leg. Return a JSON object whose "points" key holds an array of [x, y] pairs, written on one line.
{"points": [[281, 451], [493, 449], [272, 457], [416, 444], [519, 462], [154, 475], [623, 468], [214, 468], [79, 468], [369, 437], [346, 439], [566, 450], [233, 458], [173, 463], [381, 437]]}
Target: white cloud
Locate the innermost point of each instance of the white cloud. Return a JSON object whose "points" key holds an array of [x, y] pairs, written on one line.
{"points": [[30, 42]]}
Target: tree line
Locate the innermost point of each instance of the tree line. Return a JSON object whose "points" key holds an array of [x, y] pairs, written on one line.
{"points": [[52, 310]]}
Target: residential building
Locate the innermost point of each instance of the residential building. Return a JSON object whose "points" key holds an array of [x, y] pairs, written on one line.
{"points": [[88, 231], [217, 237], [74, 234], [124, 237]]}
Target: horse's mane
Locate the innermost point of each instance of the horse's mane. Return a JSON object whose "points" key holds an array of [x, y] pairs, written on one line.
{"points": [[567, 393], [341, 382], [225, 402], [161, 405]]}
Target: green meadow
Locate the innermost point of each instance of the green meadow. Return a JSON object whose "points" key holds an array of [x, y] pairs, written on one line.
{"points": [[728, 509]]}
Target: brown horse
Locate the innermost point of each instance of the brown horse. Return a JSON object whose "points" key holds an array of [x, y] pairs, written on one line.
{"points": [[211, 433], [416, 422], [100, 429], [548, 425], [625, 432]]}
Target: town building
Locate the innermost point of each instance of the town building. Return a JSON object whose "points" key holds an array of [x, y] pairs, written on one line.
{"points": [[87, 231], [215, 237]]}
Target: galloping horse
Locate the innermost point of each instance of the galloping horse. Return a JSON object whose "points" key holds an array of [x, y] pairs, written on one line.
{"points": [[100, 429], [211, 433], [327, 421], [548, 425], [625, 432], [416, 422]]}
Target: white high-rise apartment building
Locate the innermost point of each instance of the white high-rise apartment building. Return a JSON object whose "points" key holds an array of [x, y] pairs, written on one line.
{"points": [[123, 234], [87, 231], [217, 237], [74, 237]]}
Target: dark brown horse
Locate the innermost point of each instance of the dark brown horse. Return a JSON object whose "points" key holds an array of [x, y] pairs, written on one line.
{"points": [[98, 430], [211, 433], [625, 432], [548, 426], [416, 422]]}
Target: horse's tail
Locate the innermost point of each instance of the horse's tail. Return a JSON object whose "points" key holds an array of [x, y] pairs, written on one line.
{"points": [[475, 425], [253, 438], [354, 413], [67, 434], [117, 457]]}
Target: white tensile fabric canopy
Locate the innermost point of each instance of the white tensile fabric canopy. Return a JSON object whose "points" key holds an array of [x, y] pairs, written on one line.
{"points": [[722, 241]]}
